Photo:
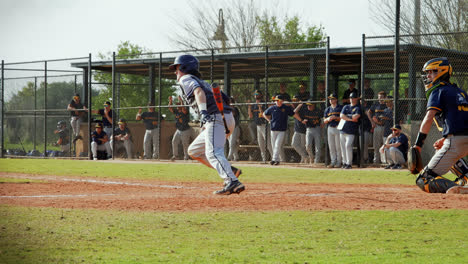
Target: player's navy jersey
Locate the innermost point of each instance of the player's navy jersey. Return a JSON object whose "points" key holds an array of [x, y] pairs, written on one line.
{"points": [[78, 105], [124, 132], [190, 83], [387, 118], [279, 116], [63, 134], [366, 123], [258, 114], [182, 120], [403, 139], [313, 117], [299, 127], [452, 104], [377, 110], [333, 111], [302, 96], [150, 119], [105, 122], [351, 127], [95, 136]]}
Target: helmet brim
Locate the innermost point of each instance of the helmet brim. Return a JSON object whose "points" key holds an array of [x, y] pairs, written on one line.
{"points": [[172, 67]]}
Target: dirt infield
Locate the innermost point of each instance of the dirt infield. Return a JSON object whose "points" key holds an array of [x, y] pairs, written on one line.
{"points": [[76, 192]]}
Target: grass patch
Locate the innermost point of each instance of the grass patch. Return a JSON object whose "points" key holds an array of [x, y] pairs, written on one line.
{"points": [[197, 172], [46, 235], [14, 180]]}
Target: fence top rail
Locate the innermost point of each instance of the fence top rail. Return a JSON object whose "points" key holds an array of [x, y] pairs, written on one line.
{"points": [[415, 35], [39, 61], [42, 76]]}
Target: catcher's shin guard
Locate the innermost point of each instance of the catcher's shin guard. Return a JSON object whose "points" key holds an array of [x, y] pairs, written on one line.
{"points": [[430, 182], [460, 168]]}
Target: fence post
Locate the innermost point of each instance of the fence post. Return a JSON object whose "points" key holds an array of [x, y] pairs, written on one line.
{"points": [[327, 92], [45, 109], [159, 104], [2, 155], [89, 88], [267, 96], [35, 113], [113, 102], [363, 102], [396, 67]]}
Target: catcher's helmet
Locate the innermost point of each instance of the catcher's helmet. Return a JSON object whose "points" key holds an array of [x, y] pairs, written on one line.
{"points": [[443, 69], [188, 64], [61, 124]]}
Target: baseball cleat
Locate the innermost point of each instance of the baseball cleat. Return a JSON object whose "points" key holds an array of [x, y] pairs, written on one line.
{"points": [[232, 187], [458, 190], [462, 180]]}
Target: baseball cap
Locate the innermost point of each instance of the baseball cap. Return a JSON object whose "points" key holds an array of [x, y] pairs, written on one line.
{"points": [[258, 92], [396, 127], [310, 102], [122, 121], [354, 95], [279, 97], [107, 103], [98, 125], [332, 96]]}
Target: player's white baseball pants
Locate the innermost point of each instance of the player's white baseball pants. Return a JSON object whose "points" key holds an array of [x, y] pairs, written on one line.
{"points": [[314, 136], [347, 141], [128, 145], [454, 148], [208, 146], [151, 139], [184, 138], [262, 142], [108, 131], [393, 156], [75, 123], [334, 145], [377, 140], [233, 144], [299, 144], [367, 142], [103, 147], [277, 142]]}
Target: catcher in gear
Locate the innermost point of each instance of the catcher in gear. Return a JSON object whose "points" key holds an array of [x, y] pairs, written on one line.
{"points": [[449, 105]]}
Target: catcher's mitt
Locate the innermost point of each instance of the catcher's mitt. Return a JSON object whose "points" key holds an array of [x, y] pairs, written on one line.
{"points": [[414, 160]]}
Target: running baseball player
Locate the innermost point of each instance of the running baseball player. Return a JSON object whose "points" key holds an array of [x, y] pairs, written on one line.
{"points": [[183, 130], [208, 146], [448, 105], [332, 118], [278, 115]]}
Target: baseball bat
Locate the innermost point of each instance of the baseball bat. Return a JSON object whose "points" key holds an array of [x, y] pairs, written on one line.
{"points": [[219, 102]]}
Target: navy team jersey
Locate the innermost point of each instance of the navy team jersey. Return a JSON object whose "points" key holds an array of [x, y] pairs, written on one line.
{"points": [[366, 123], [387, 118], [105, 122], [377, 109], [182, 120], [452, 104], [190, 83], [333, 111], [258, 115], [95, 136], [403, 139], [150, 119], [299, 127], [78, 105], [351, 127], [313, 117], [279, 116]]}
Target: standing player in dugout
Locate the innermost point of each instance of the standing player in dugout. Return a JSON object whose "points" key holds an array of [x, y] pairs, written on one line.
{"points": [[448, 106], [208, 146]]}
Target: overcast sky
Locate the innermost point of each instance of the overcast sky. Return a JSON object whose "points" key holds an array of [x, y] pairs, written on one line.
{"points": [[51, 29]]}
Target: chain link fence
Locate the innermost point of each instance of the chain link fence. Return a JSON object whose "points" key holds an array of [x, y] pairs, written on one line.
{"points": [[307, 72]]}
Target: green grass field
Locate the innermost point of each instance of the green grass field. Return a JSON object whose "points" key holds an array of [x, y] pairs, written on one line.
{"points": [[47, 235]]}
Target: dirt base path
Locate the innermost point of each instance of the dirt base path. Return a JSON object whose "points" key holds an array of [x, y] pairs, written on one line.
{"points": [[76, 192]]}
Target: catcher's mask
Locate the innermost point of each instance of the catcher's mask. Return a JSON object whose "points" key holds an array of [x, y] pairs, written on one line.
{"points": [[443, 71]]}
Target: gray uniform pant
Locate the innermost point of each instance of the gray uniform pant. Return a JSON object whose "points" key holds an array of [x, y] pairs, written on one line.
{"points": [[151, 139], [208, 146], [75, 123], [108, 131], [454, 148], [393, 156], [346, 141], [277, 142], [95, 147], [314, 136], [233, 144], [334, 145], [299, 144], [377, 140], [184, 138], [262, 142], [128, 145], [367, 143], [253, 131], [65, 148]]}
